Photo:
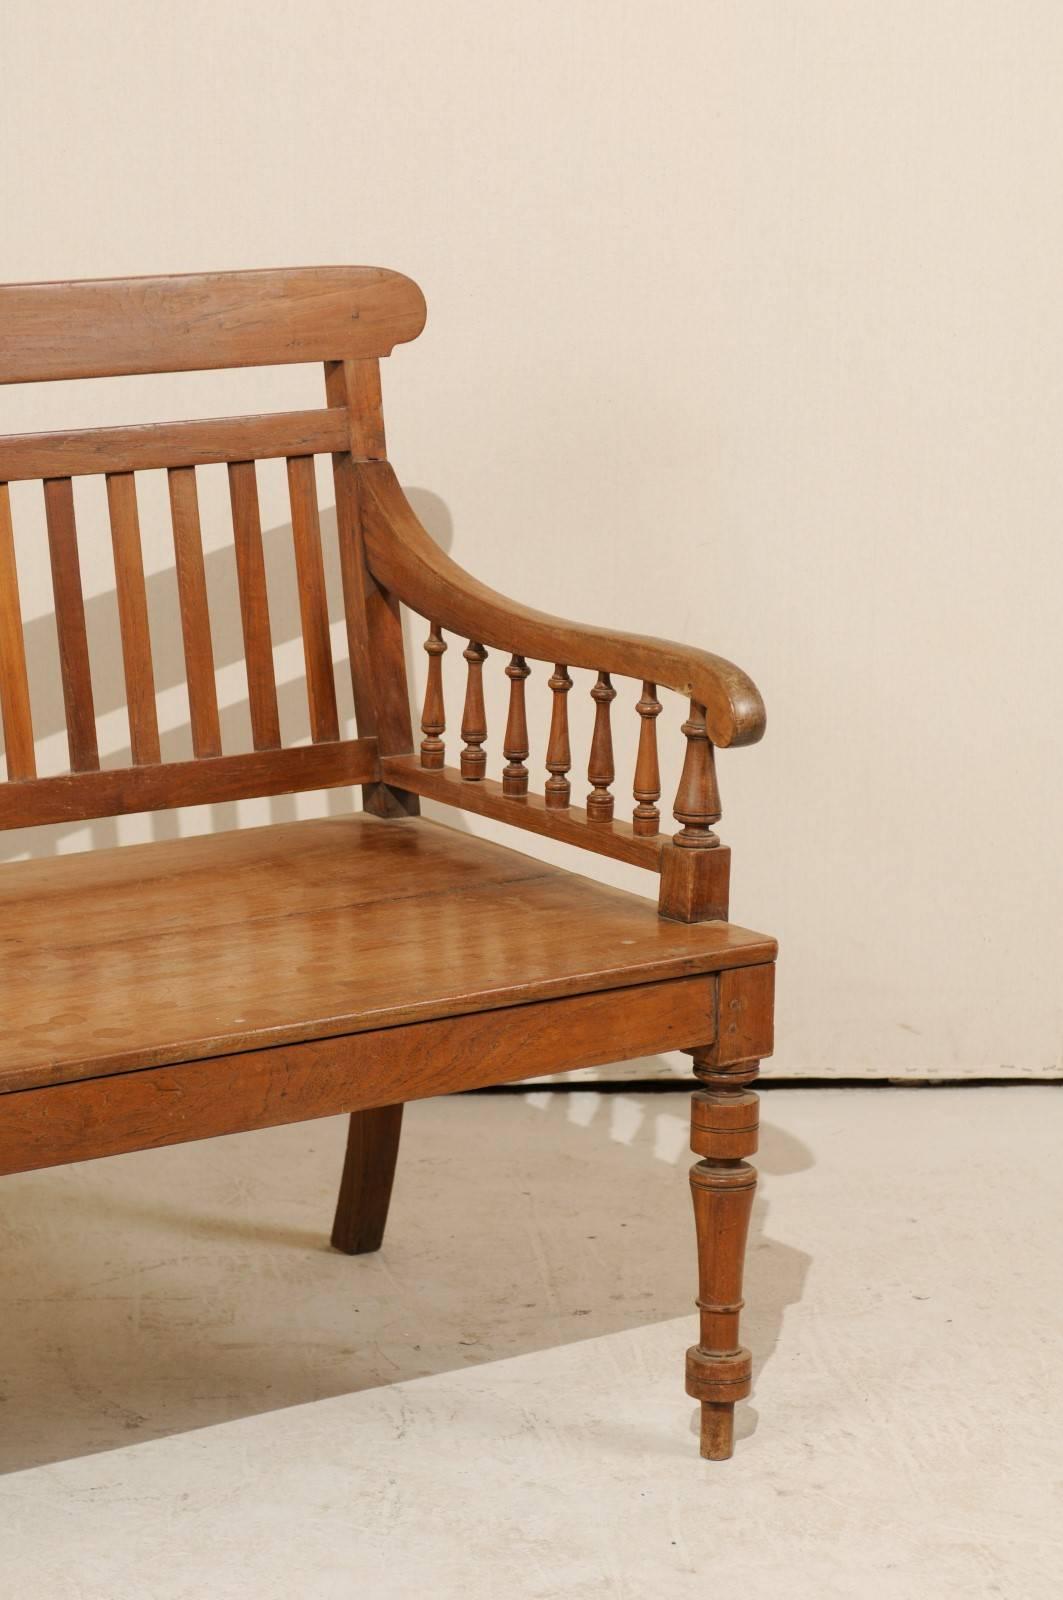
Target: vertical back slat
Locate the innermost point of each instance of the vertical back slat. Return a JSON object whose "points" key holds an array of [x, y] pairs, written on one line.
{"points": [[133, 618], [254, 606], [195, 615], [70, 625], [313, 601], [14, 684]]}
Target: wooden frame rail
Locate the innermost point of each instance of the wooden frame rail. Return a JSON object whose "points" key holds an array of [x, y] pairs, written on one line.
{"points": [[78, 1121], [78, 796], [173, 444], [487, 798], [194, 321]]}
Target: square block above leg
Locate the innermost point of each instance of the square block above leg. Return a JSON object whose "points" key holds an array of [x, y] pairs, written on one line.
{"points": [[695, 884]]}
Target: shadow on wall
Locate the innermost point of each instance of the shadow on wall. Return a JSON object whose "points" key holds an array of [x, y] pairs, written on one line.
{"points": [[173, 1289], [108, 684]]}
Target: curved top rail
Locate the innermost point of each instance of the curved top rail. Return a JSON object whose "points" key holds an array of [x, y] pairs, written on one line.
{"points": [[110, 327], [406, 560]]}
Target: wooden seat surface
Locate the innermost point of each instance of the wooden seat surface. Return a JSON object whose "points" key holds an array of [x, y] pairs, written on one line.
{"points": [[152, 954]]}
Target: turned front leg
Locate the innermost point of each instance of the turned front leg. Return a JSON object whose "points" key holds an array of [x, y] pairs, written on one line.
{"points": [[724, 1117]]}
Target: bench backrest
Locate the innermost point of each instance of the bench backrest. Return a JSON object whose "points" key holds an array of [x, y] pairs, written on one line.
{"points": [[344, 317]]}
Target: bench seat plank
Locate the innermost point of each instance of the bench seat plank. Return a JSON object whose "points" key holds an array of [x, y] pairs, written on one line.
{"points": [[152, 954]]}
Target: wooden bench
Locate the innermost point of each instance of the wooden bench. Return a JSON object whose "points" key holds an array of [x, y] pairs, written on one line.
{"points": [[199, 986]]}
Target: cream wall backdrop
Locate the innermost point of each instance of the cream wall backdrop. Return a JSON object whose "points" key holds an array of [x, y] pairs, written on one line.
{"points": [[745, 328]]}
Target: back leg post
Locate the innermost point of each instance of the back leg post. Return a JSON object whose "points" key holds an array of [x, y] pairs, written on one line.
{"points": [[368, 1174]]}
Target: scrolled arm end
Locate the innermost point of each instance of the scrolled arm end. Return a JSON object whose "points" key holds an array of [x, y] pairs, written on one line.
{"points": [[407, 561], [734, 709]]}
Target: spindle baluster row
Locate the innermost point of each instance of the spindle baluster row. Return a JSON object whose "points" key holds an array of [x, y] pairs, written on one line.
{"points": [[697, 804]]}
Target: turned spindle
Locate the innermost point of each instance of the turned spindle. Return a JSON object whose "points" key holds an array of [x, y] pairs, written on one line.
{"points": [[433, 718], [515, 746], [600, 767], [474, 717], [558, 756], [646, 818], [724, 1120], [697, 801]]}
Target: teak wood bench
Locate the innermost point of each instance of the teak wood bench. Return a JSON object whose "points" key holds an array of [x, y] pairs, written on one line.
{"points": [[178, 990]]}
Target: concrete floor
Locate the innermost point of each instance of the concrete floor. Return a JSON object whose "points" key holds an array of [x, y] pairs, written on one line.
{"points": [[201, 1400]]}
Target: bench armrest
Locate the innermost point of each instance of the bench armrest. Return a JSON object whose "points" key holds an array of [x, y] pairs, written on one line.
{"points": [[725, 709], [407, 562]]}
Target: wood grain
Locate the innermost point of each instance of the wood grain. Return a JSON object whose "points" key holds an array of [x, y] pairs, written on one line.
{"points": [[108, 326], [362, 382], [697, 801], [340, 392], [74, 665], [374, 627], [196, 1100], [377, 656], [172, 444], [745, 1019], [600, 770], [73, 797], [515, 740], [254, 606], [433, 715], [408, 562], [368, 1175], [533, 812], [695, 884], [193, 947], [195, 612], [724, 1125], [14, 682], [313, 601], [474, 716], [558, 791], [646, 818], [133, 618]]}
